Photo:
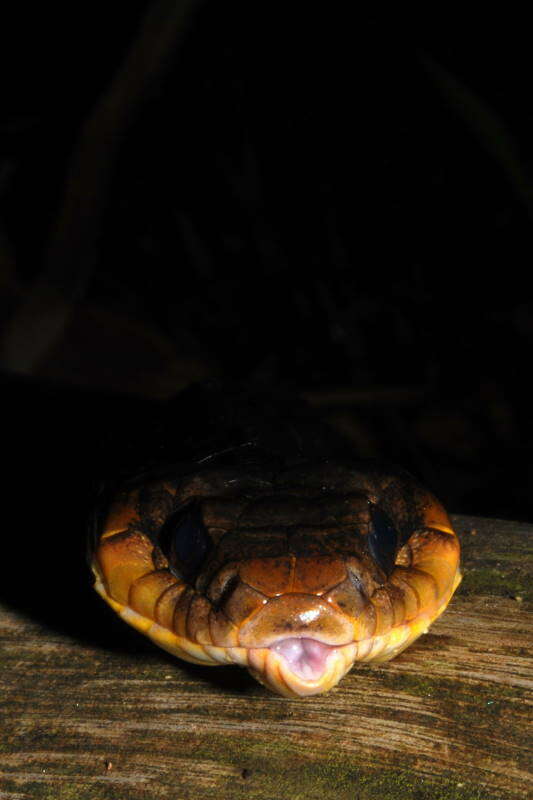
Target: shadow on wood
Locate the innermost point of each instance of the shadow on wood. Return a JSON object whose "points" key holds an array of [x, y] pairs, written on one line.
{"points": [[104, 714]]}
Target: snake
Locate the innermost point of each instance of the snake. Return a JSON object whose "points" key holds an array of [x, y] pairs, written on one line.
{"points": [[267, 546]]}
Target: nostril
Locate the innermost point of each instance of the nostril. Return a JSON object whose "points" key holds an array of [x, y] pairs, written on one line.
{"points": [[357, 583], [223, 585], [227, 591]]}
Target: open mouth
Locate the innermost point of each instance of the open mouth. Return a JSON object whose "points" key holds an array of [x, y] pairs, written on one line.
{"points": [[306, 658]]}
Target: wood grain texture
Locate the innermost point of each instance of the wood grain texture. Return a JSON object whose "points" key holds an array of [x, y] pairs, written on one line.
{"points": [[89, 709]]}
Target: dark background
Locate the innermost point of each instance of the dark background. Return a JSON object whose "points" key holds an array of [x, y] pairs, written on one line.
{"points": [[336, 205]]}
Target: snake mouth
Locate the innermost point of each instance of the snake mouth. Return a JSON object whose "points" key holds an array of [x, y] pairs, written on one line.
{"points": [[299, 666], [306, 658]]}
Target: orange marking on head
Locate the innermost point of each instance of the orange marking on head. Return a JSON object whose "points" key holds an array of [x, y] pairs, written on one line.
{"points": [[121, 514], [318, 574], [270, 576], [123, 558]]}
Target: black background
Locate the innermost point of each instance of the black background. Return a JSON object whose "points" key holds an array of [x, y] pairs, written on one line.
{"points": [[299, 202]]}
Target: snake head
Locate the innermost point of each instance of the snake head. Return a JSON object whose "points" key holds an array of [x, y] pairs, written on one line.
{"points": [[295, 577]]}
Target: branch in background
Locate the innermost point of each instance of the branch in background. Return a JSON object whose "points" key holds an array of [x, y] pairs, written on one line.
{"points": [[383, 396], [246, 184], [71, 256], [485, 124]]}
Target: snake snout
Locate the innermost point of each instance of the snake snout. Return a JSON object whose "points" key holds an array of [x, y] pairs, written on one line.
{"points": [[298, 645], [296, 616], [306, 658]]}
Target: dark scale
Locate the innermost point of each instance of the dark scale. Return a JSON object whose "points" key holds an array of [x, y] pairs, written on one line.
{"points": [[217, 444], [383, 539]]}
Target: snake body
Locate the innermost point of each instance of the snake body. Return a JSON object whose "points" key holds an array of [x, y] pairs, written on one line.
{"points": [[271, 554]]}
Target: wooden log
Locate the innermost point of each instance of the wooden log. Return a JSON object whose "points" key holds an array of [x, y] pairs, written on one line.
{"points": [[90, 709]]}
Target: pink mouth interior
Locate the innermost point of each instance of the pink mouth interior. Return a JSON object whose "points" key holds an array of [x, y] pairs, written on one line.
{"points": [[307, 658]]}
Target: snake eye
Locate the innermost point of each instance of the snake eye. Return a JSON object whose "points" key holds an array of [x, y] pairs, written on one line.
{"points": [[382, 539], [186, 542]]}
